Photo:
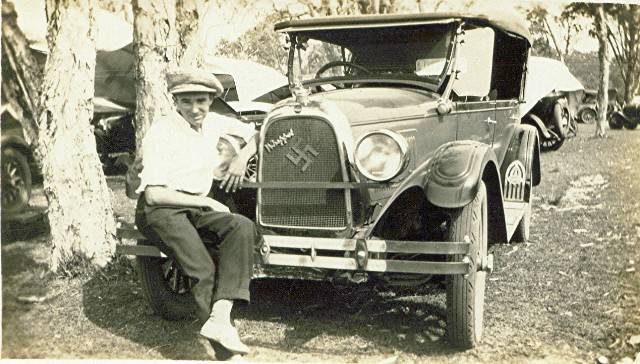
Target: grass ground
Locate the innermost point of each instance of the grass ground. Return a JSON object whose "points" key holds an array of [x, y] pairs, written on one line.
{"points": [[571, 294]]}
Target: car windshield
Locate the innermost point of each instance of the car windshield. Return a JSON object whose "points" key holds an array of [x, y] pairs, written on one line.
{"points": [[387, 54]]}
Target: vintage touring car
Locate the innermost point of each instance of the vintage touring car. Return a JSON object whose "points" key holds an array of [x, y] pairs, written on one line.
{"points": [[400, 155]]}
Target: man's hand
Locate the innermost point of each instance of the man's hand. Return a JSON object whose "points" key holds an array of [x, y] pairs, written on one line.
{"points": [[235, 174], [215, 205]]}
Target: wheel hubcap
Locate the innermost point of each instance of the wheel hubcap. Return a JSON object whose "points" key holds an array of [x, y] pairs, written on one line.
{"points": [[588, 116], [174, 277], [13, 184]]}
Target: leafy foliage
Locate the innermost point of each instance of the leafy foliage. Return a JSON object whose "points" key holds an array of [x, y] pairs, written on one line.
{"points": [[260, 44], [543, 36], [623, 36]]}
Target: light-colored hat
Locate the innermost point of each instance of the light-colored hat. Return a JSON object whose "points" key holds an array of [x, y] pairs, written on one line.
{"points": [[192, 80]]}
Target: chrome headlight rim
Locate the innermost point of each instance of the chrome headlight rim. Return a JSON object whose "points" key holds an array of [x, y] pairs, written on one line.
{"points": [[402, 143]]}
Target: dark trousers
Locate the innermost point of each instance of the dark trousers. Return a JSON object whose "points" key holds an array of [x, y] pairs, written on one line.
{"points": [[181, 228]]}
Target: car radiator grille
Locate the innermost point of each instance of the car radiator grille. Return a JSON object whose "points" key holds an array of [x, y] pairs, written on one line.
{"points": [[309, 155]]}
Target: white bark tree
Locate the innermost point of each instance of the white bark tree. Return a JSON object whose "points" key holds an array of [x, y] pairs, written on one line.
{"points": [[155, 43], [21, 73], [80, 213], [604, 59], [165, 34]]}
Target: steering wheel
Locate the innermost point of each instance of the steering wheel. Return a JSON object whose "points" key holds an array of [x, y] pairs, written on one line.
{"points": [[344, 64]]}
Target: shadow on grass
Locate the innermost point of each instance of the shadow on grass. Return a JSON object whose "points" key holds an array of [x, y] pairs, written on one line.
{"points": [[407, 321], [113, 300], [26, 225], [309, 310]]}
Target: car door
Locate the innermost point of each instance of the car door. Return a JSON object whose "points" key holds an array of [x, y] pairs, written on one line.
{"points": [[476, 120]]}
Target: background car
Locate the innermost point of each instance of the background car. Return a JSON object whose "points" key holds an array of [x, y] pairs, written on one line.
{"points": [[18, 164], [628, 116], [587, 111], [588, 108], [552, 97]]}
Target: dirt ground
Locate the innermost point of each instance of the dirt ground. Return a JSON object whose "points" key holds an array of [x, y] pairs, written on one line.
{"points": [[572, 294]]}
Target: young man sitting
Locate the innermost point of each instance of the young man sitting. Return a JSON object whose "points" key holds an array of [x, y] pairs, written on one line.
{"points": [[180, 159]]}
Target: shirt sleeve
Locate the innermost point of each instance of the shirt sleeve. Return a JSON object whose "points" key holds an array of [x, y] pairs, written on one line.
{"points": [[155, 155], [235, 127]]}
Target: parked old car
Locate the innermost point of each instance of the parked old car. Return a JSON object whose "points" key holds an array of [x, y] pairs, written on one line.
{"points": [[18, 164], [627, 116], [588, 109], [554, 121], [552, 97], [399, 157], [250, 90]]}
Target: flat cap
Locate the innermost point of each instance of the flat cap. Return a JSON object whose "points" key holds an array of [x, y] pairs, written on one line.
{"points": [[183, 80]]}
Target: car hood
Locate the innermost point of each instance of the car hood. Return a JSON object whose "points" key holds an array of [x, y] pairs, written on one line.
{"points": [[252, 79], [546, 76], [374, 104]]}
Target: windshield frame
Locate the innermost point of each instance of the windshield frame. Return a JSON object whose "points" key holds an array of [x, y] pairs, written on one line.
{"points": [[295, 46]]}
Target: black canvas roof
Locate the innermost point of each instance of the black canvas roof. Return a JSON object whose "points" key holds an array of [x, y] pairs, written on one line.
{"points": [[507, 22]]}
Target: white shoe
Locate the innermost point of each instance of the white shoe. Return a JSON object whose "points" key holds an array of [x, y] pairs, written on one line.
{"points": [[225, 335]]}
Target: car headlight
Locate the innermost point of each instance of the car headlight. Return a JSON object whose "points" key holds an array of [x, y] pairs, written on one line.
{"points": [[381, 155]]}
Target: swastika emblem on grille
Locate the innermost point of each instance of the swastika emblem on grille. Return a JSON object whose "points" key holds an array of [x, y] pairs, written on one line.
{"points": [[307, 154]]}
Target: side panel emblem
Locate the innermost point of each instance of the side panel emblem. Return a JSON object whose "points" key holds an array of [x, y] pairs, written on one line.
{"points": [[307, 154], [514, 181]]}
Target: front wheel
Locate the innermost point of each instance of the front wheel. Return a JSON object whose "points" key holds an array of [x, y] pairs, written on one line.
{"points": [[465, 294], [587, 115], [165, 287]]}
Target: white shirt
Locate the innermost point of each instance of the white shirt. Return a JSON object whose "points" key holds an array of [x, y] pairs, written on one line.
{"points": [[176, 156]]}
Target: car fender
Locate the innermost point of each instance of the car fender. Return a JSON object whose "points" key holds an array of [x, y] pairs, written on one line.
{"points": [[450, 179], [454, 172], [535, 120], [524, 147]]}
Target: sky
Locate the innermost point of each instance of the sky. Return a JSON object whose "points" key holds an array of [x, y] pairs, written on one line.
{"points": [[228, 22]]}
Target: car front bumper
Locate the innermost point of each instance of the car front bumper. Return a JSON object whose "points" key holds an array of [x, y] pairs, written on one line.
{"points": [[358, 255]]}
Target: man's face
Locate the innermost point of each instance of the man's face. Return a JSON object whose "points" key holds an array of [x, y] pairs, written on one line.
{"points": [[193, 106]]}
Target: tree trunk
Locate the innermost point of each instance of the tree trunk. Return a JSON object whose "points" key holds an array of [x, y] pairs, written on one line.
{"points": [[191, 33], [80, 213], [155, 43], [187, 20], [553, 39], [633, 62], [603, 86], [21, 74]]}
